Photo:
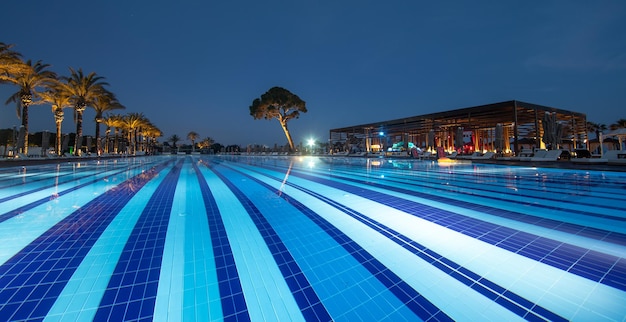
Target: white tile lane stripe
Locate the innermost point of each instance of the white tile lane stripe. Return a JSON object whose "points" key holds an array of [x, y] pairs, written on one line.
{"points": [[581, 241], [560, 210], [202, 297], [267, 295], [30, 186], [81, 297], [459, 191], [504, 268], [169, 298], [312, 256], [406, 265], [18, 202], [34, 222]]}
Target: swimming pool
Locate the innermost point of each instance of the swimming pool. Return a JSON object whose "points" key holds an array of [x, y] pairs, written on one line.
{"points": [[305, 238]]}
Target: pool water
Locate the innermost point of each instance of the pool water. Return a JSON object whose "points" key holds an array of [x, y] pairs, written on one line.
{"points": [[197, 238]]}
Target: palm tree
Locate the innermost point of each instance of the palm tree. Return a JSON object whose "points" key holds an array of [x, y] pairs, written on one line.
{"points": [[280, 104], [596, 128], [206, 143], [620, 124], [152, 133], [84, 91], [174, 139], [110, 121], [59, 98], [131, 123], [103, 103], [10, 61], [31, 80], [193, 136]]}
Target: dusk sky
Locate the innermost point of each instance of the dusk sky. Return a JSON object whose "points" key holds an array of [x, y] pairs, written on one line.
{"points": [[198, 65]]}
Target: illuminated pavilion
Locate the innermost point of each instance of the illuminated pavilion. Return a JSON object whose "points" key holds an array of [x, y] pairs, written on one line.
{"points": [[518, 124]]}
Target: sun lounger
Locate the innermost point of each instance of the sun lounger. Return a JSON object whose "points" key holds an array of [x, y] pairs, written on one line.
{"points": [[487, 155], [537, 154], [470, 156], [551, 155], [615, 156]]}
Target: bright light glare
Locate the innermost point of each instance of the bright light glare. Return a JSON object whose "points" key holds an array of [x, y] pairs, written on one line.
{"points": [[311, 142]]}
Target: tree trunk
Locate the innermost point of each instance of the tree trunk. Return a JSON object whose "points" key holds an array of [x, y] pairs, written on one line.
{"points": [[25, 124], [283, 124], [79, 131], [106, 139], [98, 152], [115, 141], [58, 140], [26, 100]]}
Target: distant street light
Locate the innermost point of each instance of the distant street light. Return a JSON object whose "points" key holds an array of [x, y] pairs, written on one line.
{"points": [[311, 143]]}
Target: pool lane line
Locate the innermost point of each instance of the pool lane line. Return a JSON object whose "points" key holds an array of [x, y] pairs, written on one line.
{"points": [[32, 279], [462, 177], [10, 214], [570, 228], [566, 227], [38, 173], [309, 303], [92, 276], [97, 175], [231, 294], [2, 187], [521, 174], [417, 303], [482, 285], [476, 187], [68, 171], [132, 289], [490, 195], [608, 269]]}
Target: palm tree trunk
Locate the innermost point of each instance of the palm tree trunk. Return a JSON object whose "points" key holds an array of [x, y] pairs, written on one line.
{"points": [[98, 152], [130, 141], [115, 148], [106, 139], [26, 100], [79, 131], [135, 141], [58, 140]]}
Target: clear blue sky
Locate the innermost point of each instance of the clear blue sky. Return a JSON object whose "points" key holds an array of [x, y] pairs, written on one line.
{"points": [[197, 65]]}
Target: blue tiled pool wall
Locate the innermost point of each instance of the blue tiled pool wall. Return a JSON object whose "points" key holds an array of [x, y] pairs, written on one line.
{"points": [[130, 294]]}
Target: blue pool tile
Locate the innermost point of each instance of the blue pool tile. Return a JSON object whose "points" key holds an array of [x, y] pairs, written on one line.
{"points": [[231, 295], [134, 252], [44, 274]]}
